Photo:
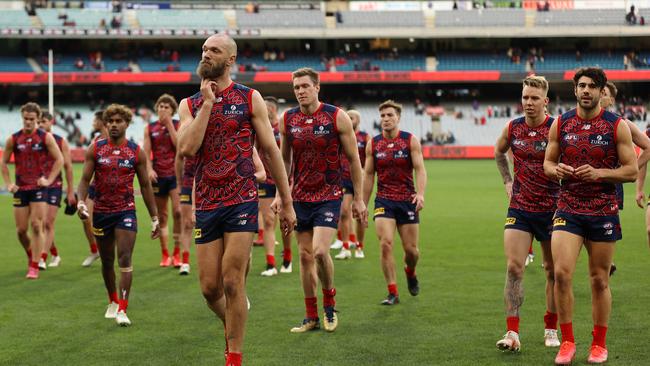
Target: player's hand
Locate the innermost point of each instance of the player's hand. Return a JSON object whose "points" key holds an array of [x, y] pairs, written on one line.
{"points": [[43, 182], [287, 217], [12, 188], [82, 210], [588, 173], [508, 186], [418, 200], [166, 121], [359, 211], [640, 199], [155, 227], [276, 205], [193, 216], [563, 171], [72, 198], [208, 89], [153, 176]]}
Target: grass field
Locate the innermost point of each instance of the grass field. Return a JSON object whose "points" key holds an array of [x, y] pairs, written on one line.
{"points": [[456, 319]]}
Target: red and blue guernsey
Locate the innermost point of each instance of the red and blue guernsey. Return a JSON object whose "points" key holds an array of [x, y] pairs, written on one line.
{"points": [[362, 141], [114, 172], [532, 190], [316, 147], [265, 158], [225, 173], [162, 148], [29, 152], [590, 142], [48, 163], [394, 167], [189, 170]]}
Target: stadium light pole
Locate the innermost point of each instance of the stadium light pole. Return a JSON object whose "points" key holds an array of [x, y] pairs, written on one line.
{"points": [[50, 81]]}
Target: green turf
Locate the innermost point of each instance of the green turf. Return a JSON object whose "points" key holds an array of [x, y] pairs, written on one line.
{"points": [[456, 319]]}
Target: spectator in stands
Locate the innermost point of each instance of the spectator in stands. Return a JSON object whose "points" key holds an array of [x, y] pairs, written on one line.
{"points": [[630, 18], [116, 22], [102, 24], [175, 57], [79, 64], [339, 16]]}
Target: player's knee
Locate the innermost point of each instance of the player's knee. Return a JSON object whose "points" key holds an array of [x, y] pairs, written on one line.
{"points": [[232, 284], [515, 269], [346, 213], [211, 291], [599, 282], [177, 215], [37, 225], [563, 277], [48, 226], [306, 256], [386, 246], [188, 225], [21, 231], [124, 261], [321, 254], [162, 217], [269, 220], [549, 272]]}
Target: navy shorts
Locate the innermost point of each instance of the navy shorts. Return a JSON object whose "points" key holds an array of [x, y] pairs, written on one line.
{"points": [[619, 195], [23, 198], [91, 192], [313, 214], [266, 190], [54, 196], [540, 224], [105, 223], [348, 187], [594, 228], [186, 195], [212, 224], [163, 186], [403, 212]]}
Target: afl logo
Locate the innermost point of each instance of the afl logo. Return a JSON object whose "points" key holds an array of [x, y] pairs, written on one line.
{"points": [[571, 137]]}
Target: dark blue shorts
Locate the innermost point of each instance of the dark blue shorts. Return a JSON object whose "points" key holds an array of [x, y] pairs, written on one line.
{"points": [[105, 223], [23, 198], [186, 195], [163, 186], [594, 228], [54, 196], [403, 212], [91, 192], [313, 214], [348, 187], [619, 195], [266, 190], [212, 224], [540, 224]]}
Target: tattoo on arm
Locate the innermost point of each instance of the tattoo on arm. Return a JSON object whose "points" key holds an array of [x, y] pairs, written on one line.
{"points": [[502, 165]]}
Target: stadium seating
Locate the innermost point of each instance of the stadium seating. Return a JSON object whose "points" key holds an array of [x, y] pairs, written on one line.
{"points": [[83, 18], [481, 18], [285, 18], [14, 18], [580, 17], [182, 19], [381, 19], [14, 64], [66, 63]]}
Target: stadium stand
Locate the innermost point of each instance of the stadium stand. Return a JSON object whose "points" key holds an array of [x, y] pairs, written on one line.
{"points": [[14, 64], [481, 18], [82, 18], [289, 18], [182, 19], [14, 18], [583, 17], [381, 19]]}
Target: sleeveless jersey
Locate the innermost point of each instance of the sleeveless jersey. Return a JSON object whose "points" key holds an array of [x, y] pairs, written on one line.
{"points": [[48, 163], [162, 148], [532, 190], [189, 170], [590, 142], [394, 167], [362, 141], [225, 173], [265, 159], [29, 152], [114, 173], [345, 167], [316, 150]]}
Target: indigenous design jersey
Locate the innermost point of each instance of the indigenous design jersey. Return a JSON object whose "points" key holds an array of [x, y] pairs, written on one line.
{"points": [[362, 141], [265, 158], [29, 152], [394, 167], [114, 172], [48, 163], [590, 142], [162, 148], [225, 173], [189, 170], [532, 190], [316, 148]]}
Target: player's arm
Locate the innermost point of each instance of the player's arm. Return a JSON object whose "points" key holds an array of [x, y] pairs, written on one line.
{"points": [[191, 135], [285, 148], [369, 170], [67, 166], [178, 168], [6, 156], [260, 173], [147, 193], [501, 158], [420, 173], [146, 146], [349, 144], [640, 186], [626, 172], [641, 140], [55, 152], [173, 134], [84, 182], [552, 166]]}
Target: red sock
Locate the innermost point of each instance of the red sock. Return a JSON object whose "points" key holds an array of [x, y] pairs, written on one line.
{"points": [[177, 251], [530, 249], [550, 320], [353, 238], [112, 297], [346, 245], [410, 272], [360, 245], [93, 248], [512, 323], [54, 251], [286, 255], [34, 265], [311, 304], [338, 235], [123, 304], [233, 359], [165, 253], [328, 297], [392, 289], [44, 256], [270, 260], [567, 332], [599, 333], [186, 257], [260, 235]]}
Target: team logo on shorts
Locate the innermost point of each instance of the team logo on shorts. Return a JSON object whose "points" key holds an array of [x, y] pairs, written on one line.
{"points": [[329, 216], [261, 191], [128, 222], [17, 201], [97, 231], [39, 195], [510, 220], [185, 198], [197, 233], [558, 221], [155, 189], [380, 211]]}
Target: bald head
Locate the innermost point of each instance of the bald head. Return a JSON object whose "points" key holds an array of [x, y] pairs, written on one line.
{"points": [[224, 41], [219, 54]]}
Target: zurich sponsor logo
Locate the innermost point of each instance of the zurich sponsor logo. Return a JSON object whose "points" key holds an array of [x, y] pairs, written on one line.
{"points": [[321, 130], [231, 109], [37, 147], [125, 163], [598, 140]]}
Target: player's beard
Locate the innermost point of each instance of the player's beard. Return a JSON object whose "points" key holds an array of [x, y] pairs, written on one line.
{"points": [[593, 103], [210, 71]]}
